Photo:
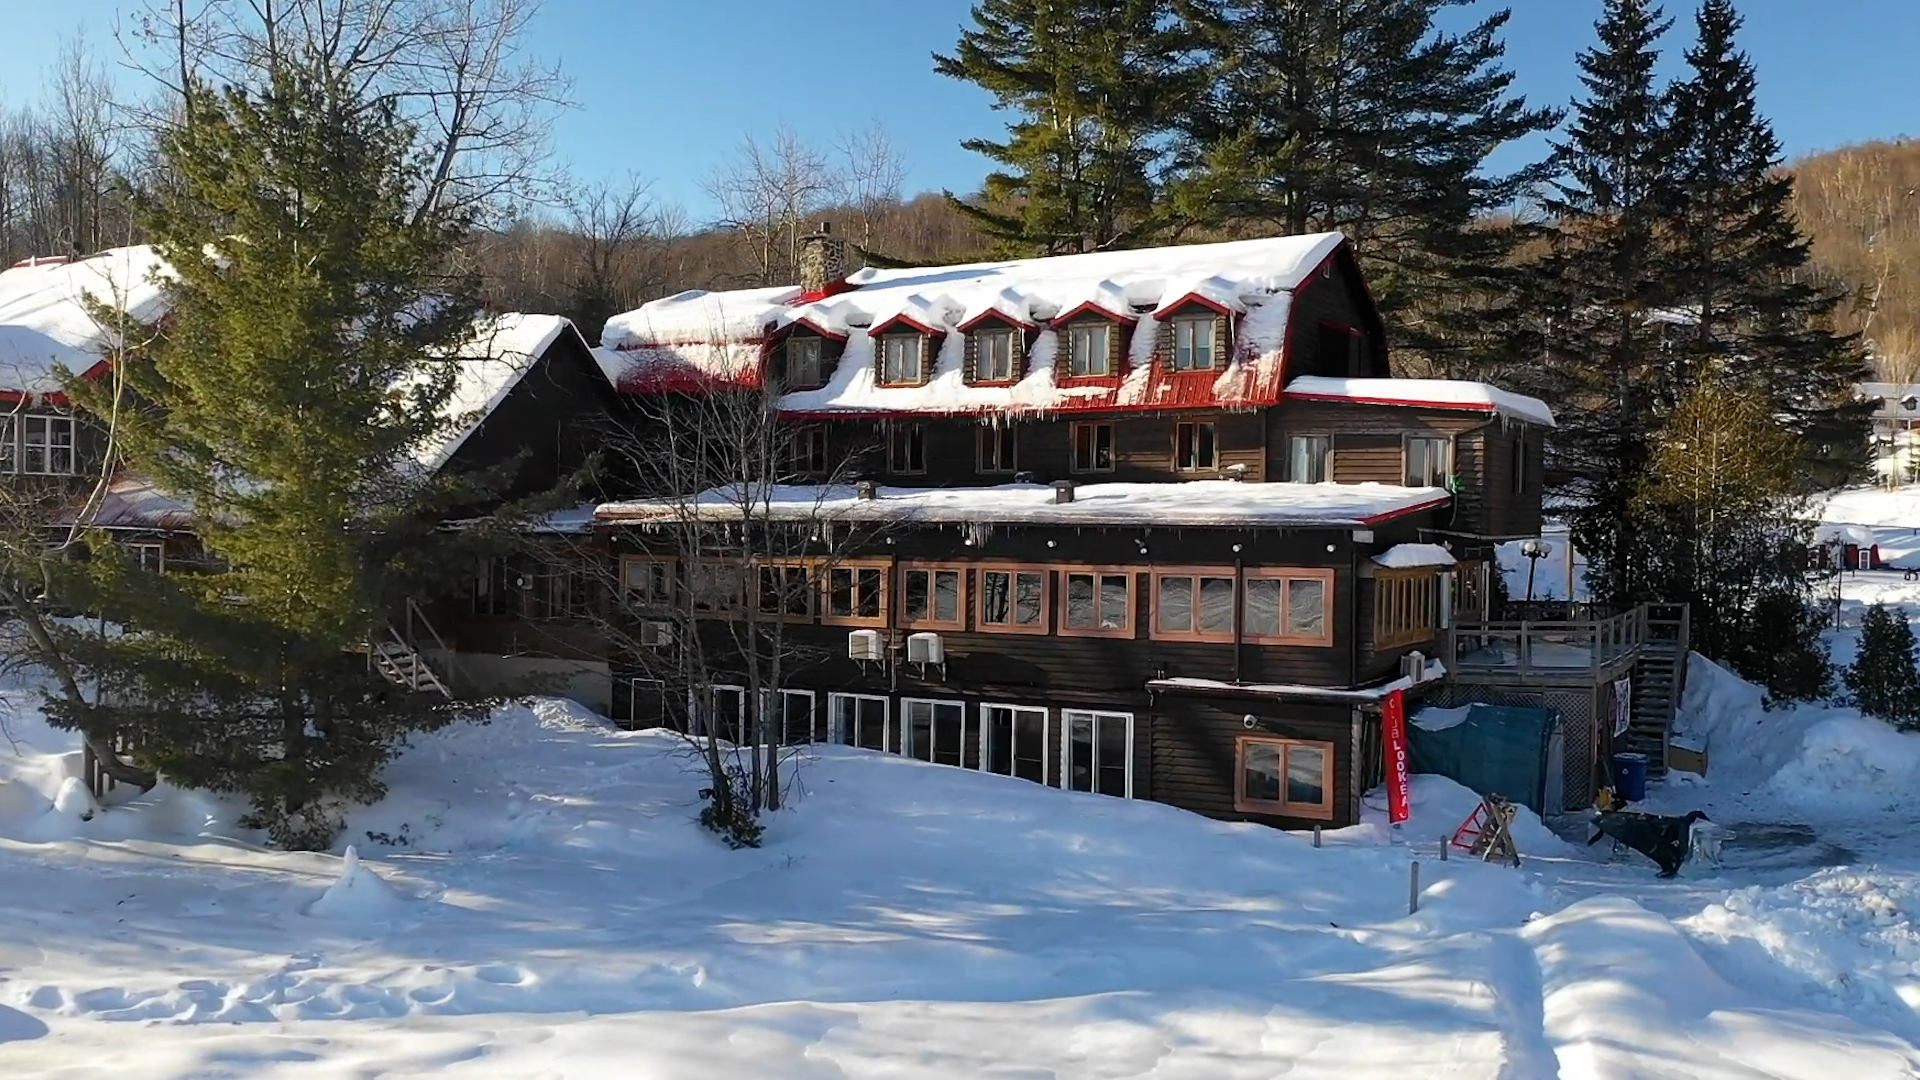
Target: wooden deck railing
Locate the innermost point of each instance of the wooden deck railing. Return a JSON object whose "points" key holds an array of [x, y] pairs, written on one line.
{"points": [[1561, 647]]}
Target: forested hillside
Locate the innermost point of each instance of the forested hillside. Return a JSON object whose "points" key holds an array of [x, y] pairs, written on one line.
{"points": [[1860, 205]]}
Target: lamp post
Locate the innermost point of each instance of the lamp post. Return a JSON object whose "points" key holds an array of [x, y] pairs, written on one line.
{"points": [[1534, 550]]}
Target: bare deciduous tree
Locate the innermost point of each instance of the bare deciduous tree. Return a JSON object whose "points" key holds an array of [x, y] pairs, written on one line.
{"points": [[767, 192], [872, 174]]}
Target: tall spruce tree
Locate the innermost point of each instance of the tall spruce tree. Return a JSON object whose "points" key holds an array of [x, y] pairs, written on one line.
{"points": [[1603, 288], [1883, 678], [1741, 266], [1362, 116], [1093, 85], [314, 311]]}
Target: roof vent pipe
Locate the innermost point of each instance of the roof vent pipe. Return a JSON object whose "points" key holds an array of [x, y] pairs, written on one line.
{"points": [[1063, 491], [866, 490]]}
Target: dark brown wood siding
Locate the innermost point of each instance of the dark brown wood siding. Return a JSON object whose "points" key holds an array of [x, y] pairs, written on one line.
{"points": [[1194, 741], [1335, 296]]}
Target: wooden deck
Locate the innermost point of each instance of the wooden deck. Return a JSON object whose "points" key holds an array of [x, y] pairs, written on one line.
{"points": [[1572, 652]]}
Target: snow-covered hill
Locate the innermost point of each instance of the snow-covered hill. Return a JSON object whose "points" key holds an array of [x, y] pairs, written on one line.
{"points": [[534, 899]]}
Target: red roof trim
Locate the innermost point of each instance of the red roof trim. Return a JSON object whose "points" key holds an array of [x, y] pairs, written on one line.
{"points": [[54, 397], [809, 324], [1213, 305], [918, 327], [1349, 399], [1390, 515], [1093, 306], [834, 288], [991, 313]]}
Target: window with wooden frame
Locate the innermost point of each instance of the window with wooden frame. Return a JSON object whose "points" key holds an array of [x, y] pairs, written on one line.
{"points": [[1195, 446], [806, 362], [1405, 606], [566, 592], [1342, 350], [906, 447], [1193, 341], [996, 450], [855, 595], [995, 353], [1287, 607], [1309, 459], [1193, 603], [646, 582], [1284, 777], [1096, 602], [46, 445], [1012, 599], [1519, 462], [807, 450], [1014, 741], [902, 359], [1092, 447], [1428, 459], [716, 587], [499, 589], [784, 591], [933, 597], [1089, 349]]}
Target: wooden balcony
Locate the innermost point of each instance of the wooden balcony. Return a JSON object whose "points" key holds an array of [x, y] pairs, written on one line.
{"points": [[1555, 652]]}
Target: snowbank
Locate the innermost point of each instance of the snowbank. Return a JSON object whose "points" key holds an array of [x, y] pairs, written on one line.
{"points": [[1848, 761], [1439, 806]]}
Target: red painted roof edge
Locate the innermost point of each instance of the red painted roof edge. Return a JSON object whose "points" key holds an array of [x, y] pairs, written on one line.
{"points": [[1193, 298], [880, 327], [1093, 305], [992, 313], [1390, 515]]}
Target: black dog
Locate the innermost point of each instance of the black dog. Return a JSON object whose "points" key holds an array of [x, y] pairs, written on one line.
{"points": [[1663, 839]]}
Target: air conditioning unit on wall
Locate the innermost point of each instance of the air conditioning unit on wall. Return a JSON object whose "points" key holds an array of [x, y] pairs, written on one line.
{"points": [[865, 645], [926, 649], [656, 635]]}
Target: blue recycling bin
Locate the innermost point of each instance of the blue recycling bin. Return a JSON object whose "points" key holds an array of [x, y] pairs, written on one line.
{"points": [[1630, 776]]}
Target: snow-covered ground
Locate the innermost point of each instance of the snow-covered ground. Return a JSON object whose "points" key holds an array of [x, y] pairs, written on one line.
{"points": [[534, 899]]}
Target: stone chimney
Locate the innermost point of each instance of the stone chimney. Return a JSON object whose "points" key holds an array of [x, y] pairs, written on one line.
{"points": [[823, 259]]}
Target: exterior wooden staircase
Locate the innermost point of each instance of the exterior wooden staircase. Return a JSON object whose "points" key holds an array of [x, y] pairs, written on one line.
{"points": [[399, 659], [1659, 677]]}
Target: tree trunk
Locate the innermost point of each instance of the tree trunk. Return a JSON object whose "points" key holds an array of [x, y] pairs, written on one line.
{"points": [[99, 737]]}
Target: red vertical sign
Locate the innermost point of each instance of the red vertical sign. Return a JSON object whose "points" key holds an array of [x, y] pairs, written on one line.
{"points": [[1399, 783]]}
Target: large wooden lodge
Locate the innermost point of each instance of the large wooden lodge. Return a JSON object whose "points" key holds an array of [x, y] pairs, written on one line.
{"points": [[1153, 524]]}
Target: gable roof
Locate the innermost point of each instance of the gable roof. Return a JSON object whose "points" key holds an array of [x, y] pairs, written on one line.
{"points": [[504, 348], [47, 319], [700, 340], [1424, 393]]}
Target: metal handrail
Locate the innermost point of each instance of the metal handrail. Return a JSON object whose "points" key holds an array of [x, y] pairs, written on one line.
{"points": [[1604, 641], [413, 613]]}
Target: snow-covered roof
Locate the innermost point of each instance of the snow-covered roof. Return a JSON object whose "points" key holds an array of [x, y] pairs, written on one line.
{"points": [[1425, 393], [504, 348], [700, 338], [133, 502], [1409, 556], [46, 321], [1892, 398], [1191, 503]]}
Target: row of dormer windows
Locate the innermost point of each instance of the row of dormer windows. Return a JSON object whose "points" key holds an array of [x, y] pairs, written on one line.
{"points": [[999, 352]]}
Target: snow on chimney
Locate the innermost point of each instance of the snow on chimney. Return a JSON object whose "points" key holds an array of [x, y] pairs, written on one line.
{"points": [[823, 259]]}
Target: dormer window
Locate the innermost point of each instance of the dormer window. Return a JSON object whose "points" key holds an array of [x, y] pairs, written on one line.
{"points": [[902, 359], [805, 368], [994, 351], [1088, 349], [1193, 342]]}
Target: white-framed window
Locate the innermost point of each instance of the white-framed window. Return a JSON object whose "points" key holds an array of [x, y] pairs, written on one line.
{"points": [[1096, 752], [1193, 341], [933, 730], [902, 358], [1015, 741], [1429, 460], [860, 720], [46, 445], [795, 712], [1289, 777], [148, 556], [805, 366], [1195, 446], [1309, 458], [1088, 349], [721, 711], [993, 354]]}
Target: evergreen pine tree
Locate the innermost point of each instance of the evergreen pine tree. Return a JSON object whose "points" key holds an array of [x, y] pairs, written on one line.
{"points": [[1603, 287], [1362, 116], [1883, 679], [306, 359], [1092, 84], [1741, 266]]}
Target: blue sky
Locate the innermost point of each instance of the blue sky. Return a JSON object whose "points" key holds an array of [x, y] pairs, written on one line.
{"points": [[666, 88]]}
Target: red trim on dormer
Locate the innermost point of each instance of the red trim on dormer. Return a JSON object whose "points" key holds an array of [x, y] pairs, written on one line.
{"points": [[56, 398], [811, 325], [1094, 306], [1167, 311], [991, 313], [918, 327]]}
